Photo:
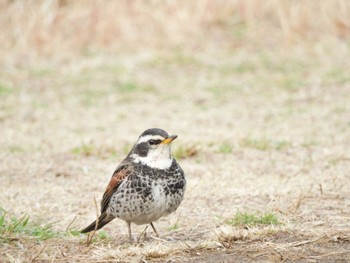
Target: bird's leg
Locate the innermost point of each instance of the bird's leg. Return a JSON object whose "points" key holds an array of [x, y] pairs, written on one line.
{"points": [[154, 229], [129, 231]]}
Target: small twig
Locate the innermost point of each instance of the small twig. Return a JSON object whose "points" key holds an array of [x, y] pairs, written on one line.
{"points": [[143, 232], [297, 244], [54, 257], [259, 254], [71, 223], [159, 239], [330, 254], [90, 236], [38, 253], [187, 245], [321, 191], [298, 202]]}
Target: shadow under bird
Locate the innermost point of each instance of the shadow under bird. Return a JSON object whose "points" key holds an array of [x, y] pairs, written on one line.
{"points": [[147, 185]]}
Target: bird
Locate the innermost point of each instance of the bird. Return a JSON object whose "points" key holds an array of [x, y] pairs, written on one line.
{"points": [[147, 185]]}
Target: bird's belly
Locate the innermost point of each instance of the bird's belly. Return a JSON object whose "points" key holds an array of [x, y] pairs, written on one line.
{"points": [[152, 212], [141, 209]]}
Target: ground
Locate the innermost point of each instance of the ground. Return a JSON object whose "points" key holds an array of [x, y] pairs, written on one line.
{"points": [[264, 138], [259, 133]]}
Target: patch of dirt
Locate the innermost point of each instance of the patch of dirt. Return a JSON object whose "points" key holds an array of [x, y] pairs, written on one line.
{"points": [[282, 246]]}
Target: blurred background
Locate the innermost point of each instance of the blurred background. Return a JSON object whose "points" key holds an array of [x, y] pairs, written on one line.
{"points": [[258, 92], [85, 68]]}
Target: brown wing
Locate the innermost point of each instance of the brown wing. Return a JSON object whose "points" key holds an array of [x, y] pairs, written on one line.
{"points": [[118, 176]]}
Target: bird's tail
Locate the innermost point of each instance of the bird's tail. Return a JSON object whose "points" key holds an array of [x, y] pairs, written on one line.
{"points": [[102, 221]]}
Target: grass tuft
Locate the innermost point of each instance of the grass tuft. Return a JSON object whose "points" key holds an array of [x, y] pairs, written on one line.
{"points": [[225, 148], [174, 227], [102, 235], [128, 87], [264, 144], [184, 153], [247, 219], [5, 90], [84, 149], [89, 149], [14, 226]]}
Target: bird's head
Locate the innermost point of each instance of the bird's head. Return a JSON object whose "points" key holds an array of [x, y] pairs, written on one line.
{"points": [[153, 148]]}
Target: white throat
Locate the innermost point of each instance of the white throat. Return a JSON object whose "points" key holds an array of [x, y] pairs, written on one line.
{"points": [[160, 158]]}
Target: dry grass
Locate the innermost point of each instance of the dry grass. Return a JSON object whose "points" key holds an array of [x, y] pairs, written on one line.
{"points": [[263, 126], [61, 28]]}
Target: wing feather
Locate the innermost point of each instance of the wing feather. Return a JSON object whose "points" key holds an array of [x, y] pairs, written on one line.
{"points": [[118, 176]]}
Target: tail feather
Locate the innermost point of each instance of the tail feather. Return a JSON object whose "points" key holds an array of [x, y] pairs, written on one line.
{"points": [[102, 221]]}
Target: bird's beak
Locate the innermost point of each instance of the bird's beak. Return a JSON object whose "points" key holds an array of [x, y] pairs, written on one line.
{"points": [[169, 139]]}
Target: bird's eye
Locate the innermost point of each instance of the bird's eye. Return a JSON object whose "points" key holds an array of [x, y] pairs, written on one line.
{"points": [[152, 142]]}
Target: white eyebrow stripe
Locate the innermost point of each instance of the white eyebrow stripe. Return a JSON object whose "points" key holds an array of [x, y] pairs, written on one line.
{"points": [[148, 137]]}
